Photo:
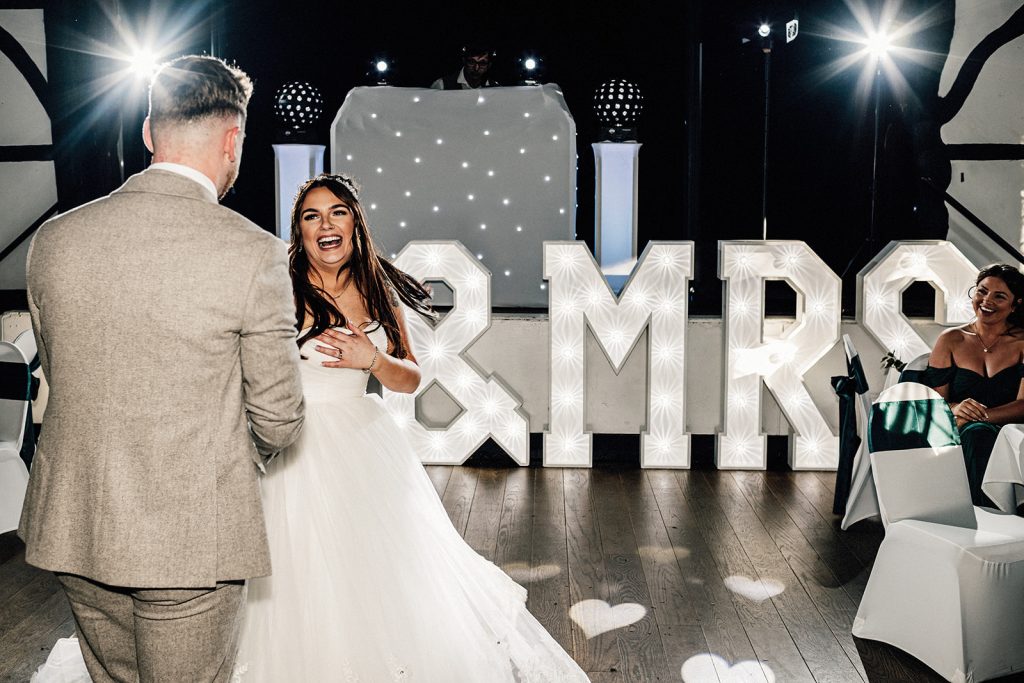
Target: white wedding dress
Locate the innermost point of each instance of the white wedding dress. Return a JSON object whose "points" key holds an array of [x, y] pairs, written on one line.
{"points": [[371, 582]]}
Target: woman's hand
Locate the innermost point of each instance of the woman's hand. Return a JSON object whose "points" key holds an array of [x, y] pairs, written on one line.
{"points": [[353, 350], [969, 410]]}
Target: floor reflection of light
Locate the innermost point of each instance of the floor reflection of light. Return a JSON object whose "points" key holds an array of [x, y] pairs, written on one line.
{"points": [[757, 590], [595, 617], [664, 554], [524, 573], [708, 667]]}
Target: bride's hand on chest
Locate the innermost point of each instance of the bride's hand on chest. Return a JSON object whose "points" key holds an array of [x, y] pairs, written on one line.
{"points": [[350, 346]]}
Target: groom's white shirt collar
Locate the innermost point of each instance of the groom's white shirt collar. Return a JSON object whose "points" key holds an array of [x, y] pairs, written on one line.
{"points": [[188, 172]]}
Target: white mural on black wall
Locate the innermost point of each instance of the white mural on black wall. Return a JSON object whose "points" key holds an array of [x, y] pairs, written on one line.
{"points": [[981, 114], [28, 192]]}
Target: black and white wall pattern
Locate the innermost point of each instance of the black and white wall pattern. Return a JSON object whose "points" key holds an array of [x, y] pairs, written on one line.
{"points": [[28, 191]]}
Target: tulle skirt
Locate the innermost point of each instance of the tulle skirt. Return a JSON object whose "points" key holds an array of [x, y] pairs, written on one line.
{"points": [[371, 582]]}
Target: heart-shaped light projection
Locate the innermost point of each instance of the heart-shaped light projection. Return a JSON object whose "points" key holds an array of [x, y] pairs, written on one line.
{"points": [[595, 617], [655, 298], [779, 359], [754, 589], [703, 668], [490, 409]]}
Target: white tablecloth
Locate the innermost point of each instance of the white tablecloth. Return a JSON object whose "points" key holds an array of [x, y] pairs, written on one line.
{"points": [[1004, 477]]}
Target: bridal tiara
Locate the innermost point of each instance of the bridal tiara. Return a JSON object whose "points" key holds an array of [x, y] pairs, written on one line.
{"points": [[345, 180]]}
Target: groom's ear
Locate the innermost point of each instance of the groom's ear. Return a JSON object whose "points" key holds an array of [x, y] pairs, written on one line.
{"points": [[232, 142], [147, 135]]}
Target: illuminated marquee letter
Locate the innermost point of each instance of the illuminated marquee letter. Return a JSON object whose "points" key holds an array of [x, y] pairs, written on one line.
{"points": [[655, 297], [489, 409], [880, 287], [779, 358]]}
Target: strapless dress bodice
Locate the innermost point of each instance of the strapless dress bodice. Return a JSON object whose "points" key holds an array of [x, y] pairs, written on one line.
{"points": [[321, 383]]}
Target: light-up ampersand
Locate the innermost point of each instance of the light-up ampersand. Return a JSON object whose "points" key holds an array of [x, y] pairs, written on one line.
{"points": [[489, 409], [880, 288], [780, 359], [655, 298]]}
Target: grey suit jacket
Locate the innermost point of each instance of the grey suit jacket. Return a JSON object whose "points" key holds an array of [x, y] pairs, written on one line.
{"points": [[166, 331]]}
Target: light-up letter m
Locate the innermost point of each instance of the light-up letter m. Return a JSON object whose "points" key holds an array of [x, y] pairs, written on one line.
{"points": [[654, 298]]}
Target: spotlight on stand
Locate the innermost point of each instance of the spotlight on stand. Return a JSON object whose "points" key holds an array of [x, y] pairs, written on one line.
{"points": [[297, 108], [766, 42], [618, 105], [381, 72], [531, 70]]}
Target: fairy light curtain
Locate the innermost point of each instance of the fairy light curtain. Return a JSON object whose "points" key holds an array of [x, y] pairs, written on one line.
{"points": [[494, 169]]}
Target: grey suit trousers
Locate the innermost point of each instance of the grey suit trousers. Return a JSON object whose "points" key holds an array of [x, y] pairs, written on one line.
{"points": [[156, 635]]}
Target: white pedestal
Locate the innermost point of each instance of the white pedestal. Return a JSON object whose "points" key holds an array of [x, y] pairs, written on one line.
{"points": [[293, 165], [616, 169]]}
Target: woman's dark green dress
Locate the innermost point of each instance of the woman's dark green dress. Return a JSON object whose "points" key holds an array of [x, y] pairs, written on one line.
{"points": [[977, 438]]}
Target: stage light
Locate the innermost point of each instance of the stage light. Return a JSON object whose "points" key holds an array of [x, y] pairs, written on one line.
{"points": [[143, 63], [618, 105], [298, 106], [763, 30], [531, 69], [381, 71], [878, 44]]}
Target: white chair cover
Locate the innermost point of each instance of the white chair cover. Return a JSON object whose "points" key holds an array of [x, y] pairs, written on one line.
{"points": [[906, 397], [947, 584], [912, 370], [924, 484], [13, 473]]}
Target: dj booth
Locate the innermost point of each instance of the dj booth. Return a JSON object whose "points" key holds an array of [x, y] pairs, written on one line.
{"points": [[494, 169]]}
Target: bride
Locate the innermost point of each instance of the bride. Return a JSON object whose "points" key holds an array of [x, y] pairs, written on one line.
{"points": [[371, 582]]}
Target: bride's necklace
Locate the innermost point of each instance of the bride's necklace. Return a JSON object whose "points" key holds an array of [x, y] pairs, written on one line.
{"points": [[337, 295], [987, 348]]}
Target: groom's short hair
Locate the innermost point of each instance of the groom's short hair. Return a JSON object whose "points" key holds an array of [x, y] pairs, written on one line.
{"points": [[193, 88]]}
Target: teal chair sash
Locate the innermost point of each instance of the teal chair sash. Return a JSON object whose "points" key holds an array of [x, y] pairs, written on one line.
{"points": [[910, 415]]}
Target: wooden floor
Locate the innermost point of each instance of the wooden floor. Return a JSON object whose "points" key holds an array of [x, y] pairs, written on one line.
{"points": [[707, 575]]}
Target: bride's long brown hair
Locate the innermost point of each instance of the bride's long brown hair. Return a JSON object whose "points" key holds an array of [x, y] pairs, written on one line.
{"points": [[376, 279]]}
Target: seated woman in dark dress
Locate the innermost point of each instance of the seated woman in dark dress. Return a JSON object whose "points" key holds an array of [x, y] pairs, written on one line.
{"points": [[978, 368]]}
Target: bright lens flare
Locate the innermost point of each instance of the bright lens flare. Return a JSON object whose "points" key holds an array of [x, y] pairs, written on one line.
{"points": [[143, 62], [763, 30], [382, 66], [878, 44]]}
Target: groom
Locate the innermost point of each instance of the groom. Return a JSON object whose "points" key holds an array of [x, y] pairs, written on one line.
{"points": [[166, 330]]}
